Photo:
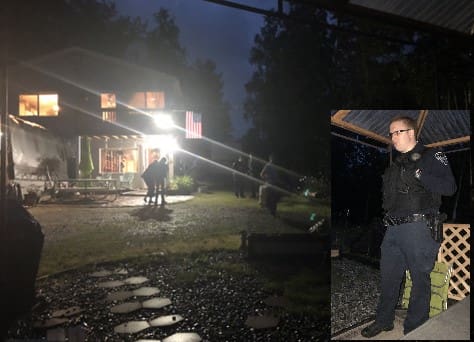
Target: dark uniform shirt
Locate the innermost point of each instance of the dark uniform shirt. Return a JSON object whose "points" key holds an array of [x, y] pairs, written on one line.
{"points": [[404, 194]]}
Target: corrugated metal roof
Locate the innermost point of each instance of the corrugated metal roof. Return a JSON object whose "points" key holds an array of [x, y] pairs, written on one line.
{"points": [[455, 15], [438, 127]]}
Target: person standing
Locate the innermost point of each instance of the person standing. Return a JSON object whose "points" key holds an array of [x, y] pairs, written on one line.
{"points": [[270, 175], [161, 176], [412, 190], [150, 179], [238, 177], [251, 173]]}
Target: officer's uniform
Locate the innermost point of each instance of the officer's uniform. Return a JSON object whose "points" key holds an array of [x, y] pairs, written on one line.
{"points": [[408, 198]]}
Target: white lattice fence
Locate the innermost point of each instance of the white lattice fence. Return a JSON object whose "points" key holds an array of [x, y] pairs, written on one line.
{"points": [[456, 250]]}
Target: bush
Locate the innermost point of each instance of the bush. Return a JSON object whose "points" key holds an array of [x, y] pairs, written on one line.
{"points": [[182, 185]]}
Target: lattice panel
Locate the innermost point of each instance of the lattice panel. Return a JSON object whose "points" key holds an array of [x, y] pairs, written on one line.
{"points": [[456, 250]]}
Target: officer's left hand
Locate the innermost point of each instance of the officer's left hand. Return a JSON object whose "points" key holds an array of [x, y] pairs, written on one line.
{"points": [[418, 174]]}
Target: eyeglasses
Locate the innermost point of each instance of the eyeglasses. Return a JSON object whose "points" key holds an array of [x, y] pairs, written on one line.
{"points": [[397, 133]]}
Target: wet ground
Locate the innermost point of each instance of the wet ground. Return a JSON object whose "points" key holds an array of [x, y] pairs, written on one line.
{"points": [[214, 303]]}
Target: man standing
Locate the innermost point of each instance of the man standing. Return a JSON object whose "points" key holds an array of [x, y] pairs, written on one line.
{"points": [[270, 175], [412, 189], [239, 168], [161, 175]]}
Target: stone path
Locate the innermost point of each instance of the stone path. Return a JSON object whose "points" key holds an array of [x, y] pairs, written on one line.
{"points": [[116, 297]]}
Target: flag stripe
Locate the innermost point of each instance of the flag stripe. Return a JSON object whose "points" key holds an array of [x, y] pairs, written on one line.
{"points": [[193, 125]]}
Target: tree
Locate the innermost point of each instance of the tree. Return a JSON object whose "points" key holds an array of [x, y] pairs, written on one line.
{"points": [[287, 98], [201, 84]]}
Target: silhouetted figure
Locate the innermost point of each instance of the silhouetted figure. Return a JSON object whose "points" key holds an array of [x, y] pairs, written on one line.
{"points": [[251, 172], [161, 175], [149, 177], [269, 194], [240, 169]]}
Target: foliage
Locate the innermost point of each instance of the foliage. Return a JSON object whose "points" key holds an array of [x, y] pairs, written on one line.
{"points": [[182, 184], [86, 166]]}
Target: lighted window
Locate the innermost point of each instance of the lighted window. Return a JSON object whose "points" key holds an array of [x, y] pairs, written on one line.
{"points": [[155, 100], [109, 115], [147, 100], [28, 105], [118, 160], [108, 100], [41, 104], [48, 105]]}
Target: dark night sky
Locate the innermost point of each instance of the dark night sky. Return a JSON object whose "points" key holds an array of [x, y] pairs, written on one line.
{"points": [[210, 31]]}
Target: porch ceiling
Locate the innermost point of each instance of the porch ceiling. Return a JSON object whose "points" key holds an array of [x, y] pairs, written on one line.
{"points": [[436, 128]]}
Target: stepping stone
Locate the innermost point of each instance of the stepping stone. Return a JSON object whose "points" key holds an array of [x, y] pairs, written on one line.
{"points": [[136, 280], [261, 322], [156, 303], [145, 291], [141, 292], [103, 273], [277, 301], [110, 284], [49, 323], [148, 341], [122, 271], [131, 327], [126, 307], [74, 310], [119, 295], [183, 337], [164, 321]]}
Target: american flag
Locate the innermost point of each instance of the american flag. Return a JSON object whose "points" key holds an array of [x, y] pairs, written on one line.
{"points": [[193, 125]]}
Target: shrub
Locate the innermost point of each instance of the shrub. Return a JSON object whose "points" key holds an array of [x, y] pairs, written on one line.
{"points": [[182, 185]]}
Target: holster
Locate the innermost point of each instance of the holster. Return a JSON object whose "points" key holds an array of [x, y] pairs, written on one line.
{"points": [[435, 223]]}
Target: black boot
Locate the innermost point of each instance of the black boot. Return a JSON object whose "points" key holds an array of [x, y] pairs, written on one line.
{"points": [[375, 329]]}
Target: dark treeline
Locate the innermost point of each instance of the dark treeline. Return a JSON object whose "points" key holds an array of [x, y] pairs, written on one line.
{"points": [[316, 61]]}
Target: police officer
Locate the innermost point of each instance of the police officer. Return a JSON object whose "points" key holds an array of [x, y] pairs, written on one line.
{"points": [[412, 189]]}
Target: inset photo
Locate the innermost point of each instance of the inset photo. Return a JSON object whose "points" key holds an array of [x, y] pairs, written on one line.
{"points": [[400, 232]]}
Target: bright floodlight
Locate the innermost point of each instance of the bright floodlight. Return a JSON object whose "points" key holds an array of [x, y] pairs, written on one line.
{"points": [[165, 143], [163, 121]]}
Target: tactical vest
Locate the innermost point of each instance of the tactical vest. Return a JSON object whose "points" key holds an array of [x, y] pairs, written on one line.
{"points": [[402, 192]]}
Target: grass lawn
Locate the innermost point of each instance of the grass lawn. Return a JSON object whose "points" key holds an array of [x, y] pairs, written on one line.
{"points": [[80, 236]]}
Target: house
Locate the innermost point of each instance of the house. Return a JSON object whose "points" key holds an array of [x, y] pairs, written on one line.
{"points": [[126, 111]]}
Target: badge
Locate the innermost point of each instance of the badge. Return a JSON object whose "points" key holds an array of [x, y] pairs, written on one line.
{"points": [[415, 156], [441, 157]]}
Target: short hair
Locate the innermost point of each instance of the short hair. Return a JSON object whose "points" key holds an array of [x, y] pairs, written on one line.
{"points": [[408, 121]]}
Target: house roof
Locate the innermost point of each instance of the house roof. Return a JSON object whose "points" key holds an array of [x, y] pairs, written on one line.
{"points": [[73, 65], [436, 128]]}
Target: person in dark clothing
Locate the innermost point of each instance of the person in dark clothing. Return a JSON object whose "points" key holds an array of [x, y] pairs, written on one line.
{"points": [[251, 172], [149, 177], [269, 174], [412, 190], [240, 169], [161, 175]]}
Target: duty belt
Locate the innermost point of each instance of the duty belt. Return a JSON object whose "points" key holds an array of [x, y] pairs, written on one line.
{"points": [[395, 221]]}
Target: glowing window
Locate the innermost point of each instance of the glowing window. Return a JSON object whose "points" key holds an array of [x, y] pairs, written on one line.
{"points": [[155, 100], [38, 104], [118, 160], [147, 100], [48, 105], [110, 116], [28, 105], [108, 100]]}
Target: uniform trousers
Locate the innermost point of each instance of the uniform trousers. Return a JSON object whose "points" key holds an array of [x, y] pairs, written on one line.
{"points": [[406, 246]]}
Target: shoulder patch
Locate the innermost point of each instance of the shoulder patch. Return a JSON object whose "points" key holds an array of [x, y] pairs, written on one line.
{"points": [[441, 157]]}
